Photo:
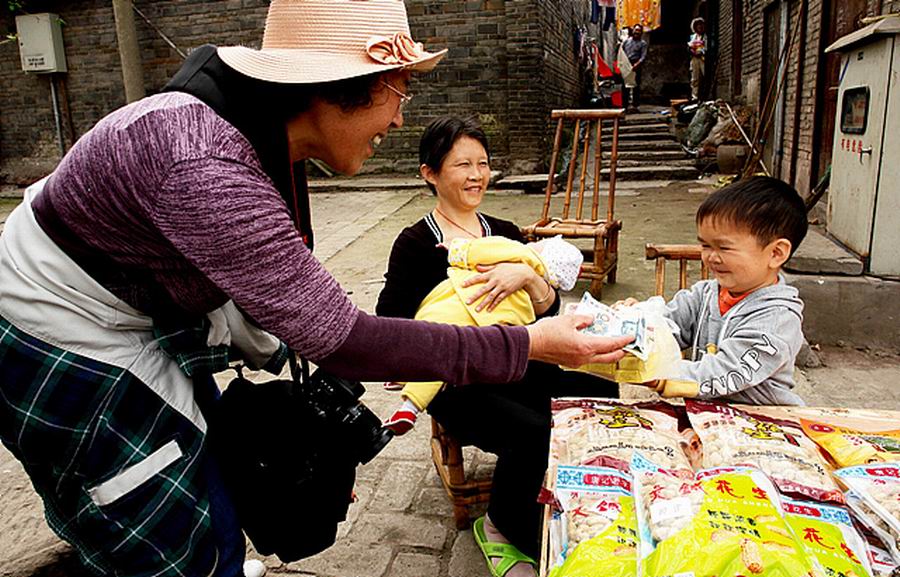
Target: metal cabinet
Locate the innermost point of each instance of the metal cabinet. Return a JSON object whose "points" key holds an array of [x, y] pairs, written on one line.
{"points": [[864, 196]]}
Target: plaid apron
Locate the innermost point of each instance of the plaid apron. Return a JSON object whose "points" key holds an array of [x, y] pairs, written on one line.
{"points": [[102, 419]]}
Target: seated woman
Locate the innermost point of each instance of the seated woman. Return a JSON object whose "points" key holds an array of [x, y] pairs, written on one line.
{"points": [[510, 420]]}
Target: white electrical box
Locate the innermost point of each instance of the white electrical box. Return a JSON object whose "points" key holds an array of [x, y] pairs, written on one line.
{"points": [[864, 194], [41, 43]]}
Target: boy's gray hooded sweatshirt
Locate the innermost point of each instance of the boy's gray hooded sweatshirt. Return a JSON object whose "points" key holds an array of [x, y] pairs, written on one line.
{"points": [[753, 346]]}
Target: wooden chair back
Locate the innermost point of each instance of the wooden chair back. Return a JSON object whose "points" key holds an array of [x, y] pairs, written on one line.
{"points": [[576, 212], [682, 253]]}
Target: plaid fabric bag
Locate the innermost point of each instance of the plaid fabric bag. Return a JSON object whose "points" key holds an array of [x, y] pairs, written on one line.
{"points": [[121, 473]]}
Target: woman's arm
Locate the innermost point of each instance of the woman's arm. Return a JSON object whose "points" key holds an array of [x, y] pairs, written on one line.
{"points": [[380, 348]]}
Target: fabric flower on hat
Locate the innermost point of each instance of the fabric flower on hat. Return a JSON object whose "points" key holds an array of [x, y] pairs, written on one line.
{"points": [[397, 49]]}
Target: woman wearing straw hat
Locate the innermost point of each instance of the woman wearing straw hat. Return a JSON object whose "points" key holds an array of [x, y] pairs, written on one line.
{"points": [[176, 228]]}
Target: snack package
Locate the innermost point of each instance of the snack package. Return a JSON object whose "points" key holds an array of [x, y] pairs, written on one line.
{"points": [[872, 525], [736, 530], [605, 432], [849, 447], [883, 564], [732, 436], [828, 536], [878, 490], [595, 532], [654, 351]]}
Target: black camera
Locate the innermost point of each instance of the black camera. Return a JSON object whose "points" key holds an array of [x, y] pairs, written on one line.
{"points": [[336, 401], [288, 450]]}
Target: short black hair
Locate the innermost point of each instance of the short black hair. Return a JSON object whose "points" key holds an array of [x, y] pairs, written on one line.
{"points": [[440, 136], [769, 208]]}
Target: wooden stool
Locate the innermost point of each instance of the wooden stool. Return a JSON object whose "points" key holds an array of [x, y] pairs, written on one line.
{"points": [[446, 453], [604, 232]]}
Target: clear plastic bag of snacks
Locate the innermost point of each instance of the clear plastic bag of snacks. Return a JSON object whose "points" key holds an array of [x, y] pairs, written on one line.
{"points": [[883, 563], [594, 529], [872, 525], [875, 491], [732, 436], [605, 432], [736, 530], [859, 445], [654, 352], [828, 536]]}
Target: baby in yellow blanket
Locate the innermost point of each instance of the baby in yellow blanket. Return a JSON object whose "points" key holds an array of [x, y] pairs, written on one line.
{"points": [[554, 259]]}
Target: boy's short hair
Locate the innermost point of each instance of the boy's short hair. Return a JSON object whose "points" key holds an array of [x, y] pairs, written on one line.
{"points": [[769, 208]]}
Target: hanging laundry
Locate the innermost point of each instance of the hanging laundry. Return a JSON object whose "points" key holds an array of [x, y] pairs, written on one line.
{"points": [[609, 17], [644, 12], [595, 11]]}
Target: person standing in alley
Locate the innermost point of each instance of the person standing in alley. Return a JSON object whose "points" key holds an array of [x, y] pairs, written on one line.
{"points": [[697, 46], [634, 50]]}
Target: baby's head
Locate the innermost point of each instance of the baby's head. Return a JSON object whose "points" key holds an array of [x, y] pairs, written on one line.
{"points": [[748, 230], [562, 259]]}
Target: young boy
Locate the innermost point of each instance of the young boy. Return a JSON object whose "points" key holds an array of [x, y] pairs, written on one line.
{"points": [[743, 328]]}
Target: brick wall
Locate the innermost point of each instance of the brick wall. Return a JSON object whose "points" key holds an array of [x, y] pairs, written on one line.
{"points": [[723, 82], [794, 152], [510, 62], [93, 84]]}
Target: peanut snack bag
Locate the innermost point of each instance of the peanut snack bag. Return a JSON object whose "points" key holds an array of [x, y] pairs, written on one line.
{"points": [[883, 564], [732, 436], [595, 533], [878, 489], [738, 530], [606, 432], [828, 536], [849, 447], [872, 525]]}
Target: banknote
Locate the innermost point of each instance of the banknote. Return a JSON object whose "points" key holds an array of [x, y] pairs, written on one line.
{"points": [[609, 322]]}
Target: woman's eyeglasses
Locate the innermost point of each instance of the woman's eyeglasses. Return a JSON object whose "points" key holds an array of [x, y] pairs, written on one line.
{"points": [[404, 98]]}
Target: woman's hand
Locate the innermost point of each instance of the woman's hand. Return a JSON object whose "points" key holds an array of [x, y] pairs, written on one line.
{"points": [[558, 340], [499, 281]]}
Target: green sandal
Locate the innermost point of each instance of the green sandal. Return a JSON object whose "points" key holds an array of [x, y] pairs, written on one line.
{"points": [[508, 554]]}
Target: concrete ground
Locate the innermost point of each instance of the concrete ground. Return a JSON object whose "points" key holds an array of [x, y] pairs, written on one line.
{"points": [[402, 525]]}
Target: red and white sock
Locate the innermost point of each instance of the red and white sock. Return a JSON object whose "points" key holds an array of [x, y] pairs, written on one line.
{"points": [[403, 418]]}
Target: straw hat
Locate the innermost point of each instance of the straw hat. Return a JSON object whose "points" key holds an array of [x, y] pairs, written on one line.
{"points": [[308, 41]]}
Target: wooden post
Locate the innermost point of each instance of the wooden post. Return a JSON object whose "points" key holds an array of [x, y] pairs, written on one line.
{"points": [[129, 51]]}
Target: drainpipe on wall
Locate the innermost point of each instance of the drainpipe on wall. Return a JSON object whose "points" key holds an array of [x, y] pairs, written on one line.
{"points": [[782, 93]]}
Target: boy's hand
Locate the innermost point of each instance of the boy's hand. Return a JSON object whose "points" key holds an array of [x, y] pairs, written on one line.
{"points": [[629, 302]]}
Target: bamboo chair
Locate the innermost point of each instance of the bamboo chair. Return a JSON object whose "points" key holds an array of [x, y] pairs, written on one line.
{"points": [[446, 453], [572, 221], [662, 253]]}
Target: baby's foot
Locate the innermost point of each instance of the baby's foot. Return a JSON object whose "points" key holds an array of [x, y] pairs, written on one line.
{"points": [[403, 418]]}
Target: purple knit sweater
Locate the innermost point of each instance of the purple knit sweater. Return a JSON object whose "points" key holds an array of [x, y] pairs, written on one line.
{"points": [[176, 197]]}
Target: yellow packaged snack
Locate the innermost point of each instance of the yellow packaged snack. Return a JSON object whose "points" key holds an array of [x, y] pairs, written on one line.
{"points": [[737, 529], [849, 447], [828, 536], [595, 532]]}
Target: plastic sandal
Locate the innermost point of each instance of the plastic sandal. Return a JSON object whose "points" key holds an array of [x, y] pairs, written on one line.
{"points": [[508, 554]]}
